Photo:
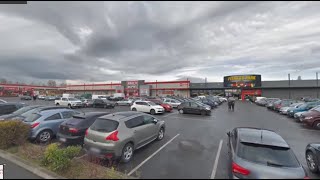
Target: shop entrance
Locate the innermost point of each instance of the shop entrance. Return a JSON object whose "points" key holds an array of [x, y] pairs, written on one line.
{"points": [[250, 93]]}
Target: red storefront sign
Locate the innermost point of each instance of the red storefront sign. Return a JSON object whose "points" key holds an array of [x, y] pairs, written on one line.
{"points": [[250, 92], [11, 88]]}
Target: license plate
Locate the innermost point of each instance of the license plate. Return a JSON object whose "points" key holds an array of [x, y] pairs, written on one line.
{"points": [[95, 150], [63, 139]]}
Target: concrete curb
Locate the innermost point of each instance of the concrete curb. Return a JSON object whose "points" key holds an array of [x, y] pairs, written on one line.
{"points": [[39, 171]]}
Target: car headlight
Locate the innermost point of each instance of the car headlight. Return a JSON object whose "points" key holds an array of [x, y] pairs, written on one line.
{"points": [[207, 108], [307, 118]]}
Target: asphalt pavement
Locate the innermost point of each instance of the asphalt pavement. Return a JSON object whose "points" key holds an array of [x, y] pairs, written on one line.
{"points": [[195, 146], [13, 171]]}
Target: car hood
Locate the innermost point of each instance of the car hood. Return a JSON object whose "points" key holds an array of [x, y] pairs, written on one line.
{"points": [[165, 105]]}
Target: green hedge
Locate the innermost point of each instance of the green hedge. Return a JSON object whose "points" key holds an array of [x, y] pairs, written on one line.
{"points": [[59, 159], [13, 132]]}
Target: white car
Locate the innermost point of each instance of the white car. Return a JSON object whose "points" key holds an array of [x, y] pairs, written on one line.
{"points": [[70, 102], [127, 102], [147, 106], [172, 102]]}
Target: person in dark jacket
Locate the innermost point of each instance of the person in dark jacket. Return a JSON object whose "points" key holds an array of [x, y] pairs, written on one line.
{"points": [[231, 102]]}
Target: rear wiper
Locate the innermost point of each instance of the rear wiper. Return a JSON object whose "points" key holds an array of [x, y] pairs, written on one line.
{"points": [[274, 164]]}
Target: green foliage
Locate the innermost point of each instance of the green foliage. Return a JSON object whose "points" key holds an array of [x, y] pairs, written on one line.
{"points": [[59, 159], [13, 133]]}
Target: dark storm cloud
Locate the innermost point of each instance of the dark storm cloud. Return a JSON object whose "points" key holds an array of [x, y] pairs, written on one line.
{"points": [[101, 41]]}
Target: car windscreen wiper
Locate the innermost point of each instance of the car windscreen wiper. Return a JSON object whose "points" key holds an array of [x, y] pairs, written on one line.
{"points": [[274, 164]]}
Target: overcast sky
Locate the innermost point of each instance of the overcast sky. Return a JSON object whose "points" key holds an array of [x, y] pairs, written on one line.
{"points": [[114, 41]]}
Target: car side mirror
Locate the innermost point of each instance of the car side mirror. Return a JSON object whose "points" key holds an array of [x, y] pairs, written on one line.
{"points": [[155, 121]]}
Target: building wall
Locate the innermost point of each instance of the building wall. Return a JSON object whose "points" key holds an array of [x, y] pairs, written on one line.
{"points": [[295, 93], [183, 93]]}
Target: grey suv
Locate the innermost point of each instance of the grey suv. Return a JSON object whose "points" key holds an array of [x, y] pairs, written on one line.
{"points": [[117, 135]]}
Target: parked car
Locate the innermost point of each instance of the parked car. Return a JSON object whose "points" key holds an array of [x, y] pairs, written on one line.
{"points": [[103, 103], [2, 101], [69, 102], [305, 107], [41, 97], [87, 102], [45, 124], [270, 105], [8, 108], [50, 98], [126, 102], [72, 131], [18, 112], [194, 108], [117, 135], [261, 102], [283, 103], [167, 107], [260, 153], [26, 114], [209, 102], [312, 154], [147, 107], [284, 110], [311, 118], [174, 103], [25, 97]]}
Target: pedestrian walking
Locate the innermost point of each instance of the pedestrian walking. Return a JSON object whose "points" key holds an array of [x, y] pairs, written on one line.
{"points": [[231, 102]]}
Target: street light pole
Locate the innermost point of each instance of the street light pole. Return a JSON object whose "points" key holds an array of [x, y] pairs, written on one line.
{"points": [[289, 86], [317, 85]]}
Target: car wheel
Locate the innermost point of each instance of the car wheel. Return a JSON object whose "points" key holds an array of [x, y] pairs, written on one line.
{"points": [[134, 109], [44, 136], [69, 105], [127, 153], [152, 111], [312, 162], [203, 113], [316, 125], [181, 111], [57, 104], [160, 134]]}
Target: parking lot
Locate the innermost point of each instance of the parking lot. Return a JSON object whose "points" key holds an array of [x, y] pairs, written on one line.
{"points": [[196, 146]]}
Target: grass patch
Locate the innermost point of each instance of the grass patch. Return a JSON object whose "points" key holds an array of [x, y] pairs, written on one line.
{"points": [[77, 169]]}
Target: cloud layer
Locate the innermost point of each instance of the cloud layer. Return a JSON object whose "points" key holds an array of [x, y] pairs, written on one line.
{"points": [[114, 41]]}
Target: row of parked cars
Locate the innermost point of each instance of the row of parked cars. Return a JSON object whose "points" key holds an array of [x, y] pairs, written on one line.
{"points": [[111, 136], [306, 111]]}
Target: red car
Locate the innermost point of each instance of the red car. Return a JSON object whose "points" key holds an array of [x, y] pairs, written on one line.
{"points": [[166, 107], [312, 118]]}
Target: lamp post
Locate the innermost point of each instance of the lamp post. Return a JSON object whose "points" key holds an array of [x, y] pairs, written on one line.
{"points": [[289, 86]]}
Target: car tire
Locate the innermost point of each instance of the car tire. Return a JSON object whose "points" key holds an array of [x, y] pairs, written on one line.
{"points": [[44, 136], [152, 112], [127, 153], [181, 111], [316, 125], [134, 109], [203, 113], [160, 134], [57, 104], [312, 162]]}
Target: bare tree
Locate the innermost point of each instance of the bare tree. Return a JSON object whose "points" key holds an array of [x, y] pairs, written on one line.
{"points": [[52, 83]]}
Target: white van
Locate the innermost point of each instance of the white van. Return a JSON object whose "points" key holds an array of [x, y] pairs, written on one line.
{"points": [[64, 95]]}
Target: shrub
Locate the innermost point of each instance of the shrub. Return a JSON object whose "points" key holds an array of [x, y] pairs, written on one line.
{"points": [[13, 133], [59, 159]]}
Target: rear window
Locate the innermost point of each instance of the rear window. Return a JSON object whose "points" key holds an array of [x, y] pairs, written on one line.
{"points": [[104, 125], [32, 117], [267, 155]]}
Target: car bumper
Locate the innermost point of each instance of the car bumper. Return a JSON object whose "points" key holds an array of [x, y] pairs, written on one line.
{"points": [[77, 105], [283, 112], [168, 109], [308, 122], [102, 149], [100, 153], [158, 111], [65, 139]]}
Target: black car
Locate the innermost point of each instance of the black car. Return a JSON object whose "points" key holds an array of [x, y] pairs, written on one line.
{"points": [[9, 108], [73, 130], [25, 98], [18, 112], [191, 107], [103, 103], [313, 157], [209, 102]]}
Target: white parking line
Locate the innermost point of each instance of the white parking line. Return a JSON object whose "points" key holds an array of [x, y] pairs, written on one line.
{"points": [[213, 174], [136, 168]]}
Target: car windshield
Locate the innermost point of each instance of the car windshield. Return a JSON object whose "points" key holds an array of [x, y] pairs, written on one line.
{"points": [[104, 125], [32, 117], [267, 155]]}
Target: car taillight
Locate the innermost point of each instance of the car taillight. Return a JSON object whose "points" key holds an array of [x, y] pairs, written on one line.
{"points": [[35, 125], [113, 136], [86, 134], [73, 130], [238, 169]]}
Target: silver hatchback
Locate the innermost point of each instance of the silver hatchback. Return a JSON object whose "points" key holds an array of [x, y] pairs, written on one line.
{"points": [[117, 135]]}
